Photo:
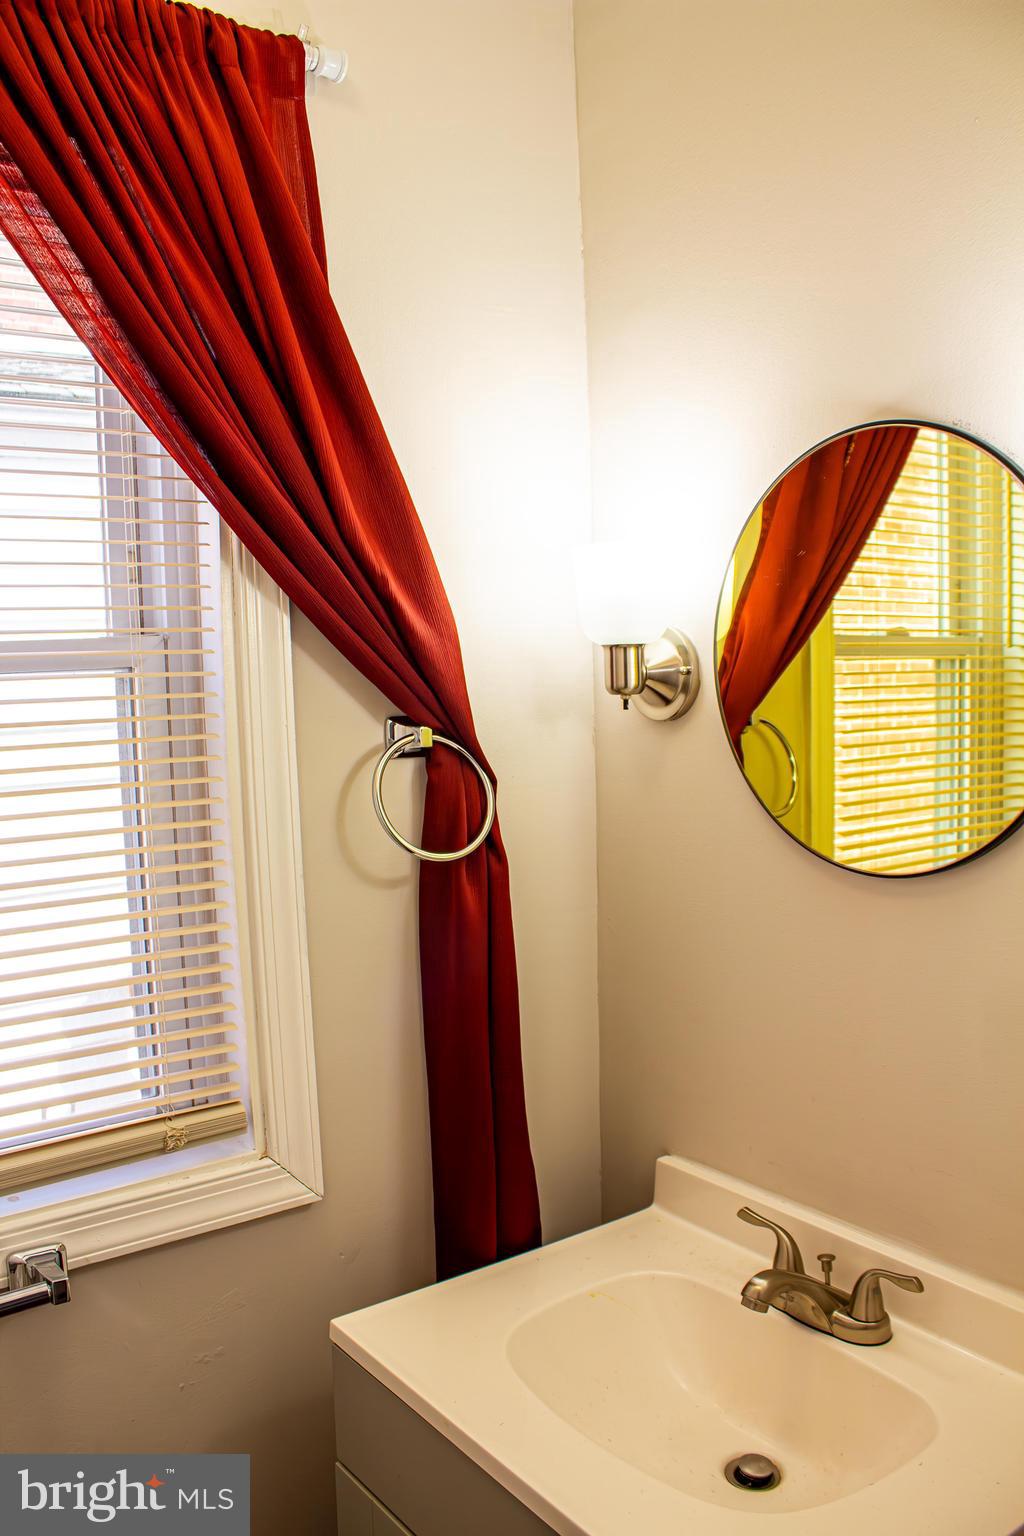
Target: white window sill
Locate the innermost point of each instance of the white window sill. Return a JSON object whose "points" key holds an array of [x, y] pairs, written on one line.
{"points": [[110, 1223]]}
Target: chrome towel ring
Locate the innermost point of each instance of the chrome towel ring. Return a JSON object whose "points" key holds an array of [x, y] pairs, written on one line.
{"points": [[794, 771], [403, 739]]}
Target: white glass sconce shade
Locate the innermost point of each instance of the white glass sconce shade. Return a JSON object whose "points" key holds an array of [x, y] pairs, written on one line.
{"points": [[621, 599], [625, 604]]}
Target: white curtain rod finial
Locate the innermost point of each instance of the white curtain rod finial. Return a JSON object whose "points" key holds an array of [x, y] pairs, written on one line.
{"points": [[323, 63]]}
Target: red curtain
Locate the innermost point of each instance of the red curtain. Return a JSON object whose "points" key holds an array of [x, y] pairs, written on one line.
{"points": [[157, 176], [813, 526]]}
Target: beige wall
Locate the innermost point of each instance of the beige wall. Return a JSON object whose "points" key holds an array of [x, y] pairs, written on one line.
{"points": [[452, 212], [797, 216]]}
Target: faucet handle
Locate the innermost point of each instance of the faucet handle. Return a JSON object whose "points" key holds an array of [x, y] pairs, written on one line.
{"points": [[787, 1254], [866, 1304]]}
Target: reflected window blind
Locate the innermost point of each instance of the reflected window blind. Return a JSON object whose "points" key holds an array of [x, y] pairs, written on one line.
{"points": [[928, 706], [118, 1033]]}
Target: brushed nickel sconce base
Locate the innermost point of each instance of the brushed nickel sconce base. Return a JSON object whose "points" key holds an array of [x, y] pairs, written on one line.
{"points": [[668, 677]]}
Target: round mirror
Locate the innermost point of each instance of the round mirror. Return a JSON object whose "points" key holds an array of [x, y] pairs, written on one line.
{"points": [[870, 649]]}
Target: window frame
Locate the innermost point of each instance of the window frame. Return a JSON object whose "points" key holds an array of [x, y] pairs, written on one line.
{"points": [[284, 1168]]}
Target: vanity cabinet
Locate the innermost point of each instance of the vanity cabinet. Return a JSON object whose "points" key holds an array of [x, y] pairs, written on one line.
{"points": [[398, 1476]]}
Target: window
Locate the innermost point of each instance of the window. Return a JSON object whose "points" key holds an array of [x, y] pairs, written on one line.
{"points": [[926, 659], [134, 1024]]}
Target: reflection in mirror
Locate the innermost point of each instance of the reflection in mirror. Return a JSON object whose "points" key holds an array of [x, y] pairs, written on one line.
{"points": [[870, 649]]}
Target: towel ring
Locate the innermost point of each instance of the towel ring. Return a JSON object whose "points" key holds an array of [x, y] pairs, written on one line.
{"points": [[770, 725], [403, 739]]}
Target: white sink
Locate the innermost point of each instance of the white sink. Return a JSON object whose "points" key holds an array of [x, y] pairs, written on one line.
{"points": [[676, 1379], [608, 1379]]}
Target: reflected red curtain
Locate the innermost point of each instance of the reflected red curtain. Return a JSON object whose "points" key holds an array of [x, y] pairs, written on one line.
{"points": [[157, 176], [814, 523]]}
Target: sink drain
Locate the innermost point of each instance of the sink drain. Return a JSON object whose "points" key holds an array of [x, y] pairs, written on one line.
{"points": [[753, 1472]]}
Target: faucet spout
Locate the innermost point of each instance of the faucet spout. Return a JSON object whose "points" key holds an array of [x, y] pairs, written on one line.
{"points": [[810, 1301], [763, 1288]]}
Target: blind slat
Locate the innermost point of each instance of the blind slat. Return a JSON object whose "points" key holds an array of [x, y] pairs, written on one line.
{"points": [[52, 1057], [154, 831], [91, 788], [156, 958], [137, 926], [170, 893], [148, 1068], [84, 858], [193, 983]]}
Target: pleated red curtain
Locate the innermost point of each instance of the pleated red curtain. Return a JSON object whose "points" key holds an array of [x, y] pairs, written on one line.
{"points": [[156, 174], [814, 523]]}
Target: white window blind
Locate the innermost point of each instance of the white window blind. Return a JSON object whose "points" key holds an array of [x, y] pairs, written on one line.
{"points": [[118, 1030], [928, 679]]}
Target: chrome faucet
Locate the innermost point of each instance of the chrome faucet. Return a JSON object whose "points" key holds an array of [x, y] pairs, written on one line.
{"points": [[856, 1317]]}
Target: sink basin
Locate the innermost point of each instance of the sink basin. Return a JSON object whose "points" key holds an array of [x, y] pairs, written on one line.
{"points": [[607, 1380], [673, 1377]]}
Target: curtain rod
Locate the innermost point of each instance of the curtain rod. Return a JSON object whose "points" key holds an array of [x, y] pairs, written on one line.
{"points": [[323, 63]]}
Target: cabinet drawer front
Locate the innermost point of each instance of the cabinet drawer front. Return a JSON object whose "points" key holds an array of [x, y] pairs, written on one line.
{"points": [[359, 1513]]}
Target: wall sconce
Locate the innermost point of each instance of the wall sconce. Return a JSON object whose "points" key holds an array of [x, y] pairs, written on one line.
{"points": [[625, 606]]}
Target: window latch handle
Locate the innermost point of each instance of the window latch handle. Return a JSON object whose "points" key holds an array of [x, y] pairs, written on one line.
{"points": [[35, 1278]]}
